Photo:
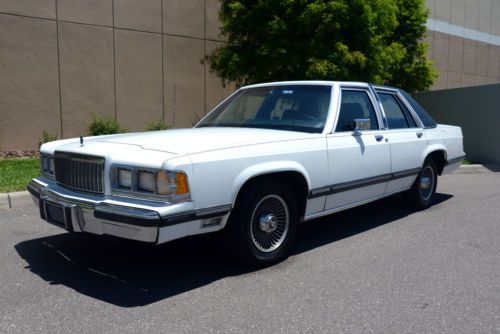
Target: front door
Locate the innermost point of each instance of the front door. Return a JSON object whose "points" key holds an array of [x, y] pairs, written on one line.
{"points": [[359, 165]]}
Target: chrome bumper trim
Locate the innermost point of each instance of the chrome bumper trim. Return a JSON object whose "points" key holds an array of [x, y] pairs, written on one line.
{"points": [[94, 216], [98, 218], [212, 212]]}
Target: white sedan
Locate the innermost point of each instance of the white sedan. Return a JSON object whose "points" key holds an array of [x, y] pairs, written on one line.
{"points": [[267, 158]]}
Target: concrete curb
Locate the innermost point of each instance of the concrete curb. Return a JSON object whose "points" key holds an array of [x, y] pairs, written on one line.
{"points": [[15, 200], [23, 198], [477, 169], [4, 201]]}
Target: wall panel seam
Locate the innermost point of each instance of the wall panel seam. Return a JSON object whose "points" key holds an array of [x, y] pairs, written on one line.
{"points": [[204, 57], [59, 73], [448, 50], [162, 67], [109, 27], [114, 56]]}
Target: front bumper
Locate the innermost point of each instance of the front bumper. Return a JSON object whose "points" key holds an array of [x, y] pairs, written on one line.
{"points": [[131, 219]]}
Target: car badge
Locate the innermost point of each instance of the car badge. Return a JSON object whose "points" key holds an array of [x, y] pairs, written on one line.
{"points": [[81, 140]]}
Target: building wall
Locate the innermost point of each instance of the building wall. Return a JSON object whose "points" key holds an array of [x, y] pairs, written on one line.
{"points": [[464, 42], [141, 60], [136, 60], [475, 110]]}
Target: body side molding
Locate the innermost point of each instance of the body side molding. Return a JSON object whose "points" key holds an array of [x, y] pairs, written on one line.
{"points": [[340, 187]]}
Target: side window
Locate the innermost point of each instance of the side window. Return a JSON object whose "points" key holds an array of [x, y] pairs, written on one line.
{"points": [[409, 117], [398, 116], [355, 104], [422, 114]]}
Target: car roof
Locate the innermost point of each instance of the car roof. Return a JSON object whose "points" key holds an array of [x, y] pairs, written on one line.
{"points": [[299, 82], [384, 86], [317, 82]]}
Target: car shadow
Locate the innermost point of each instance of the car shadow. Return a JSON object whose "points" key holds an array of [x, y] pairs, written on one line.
{"points": [[350, 222], [130, 274]]}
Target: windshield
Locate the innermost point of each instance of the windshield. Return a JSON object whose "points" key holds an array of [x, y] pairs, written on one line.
{"points": [[292, 107]]}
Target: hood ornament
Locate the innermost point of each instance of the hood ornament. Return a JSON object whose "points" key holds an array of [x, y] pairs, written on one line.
{"points": [[81, 140]]}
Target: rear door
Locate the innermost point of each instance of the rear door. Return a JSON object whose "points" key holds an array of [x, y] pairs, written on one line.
{"points": [[359, 165], [406, 139]]}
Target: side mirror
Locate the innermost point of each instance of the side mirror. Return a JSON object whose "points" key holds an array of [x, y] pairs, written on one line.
{"points": [[361, 124]]}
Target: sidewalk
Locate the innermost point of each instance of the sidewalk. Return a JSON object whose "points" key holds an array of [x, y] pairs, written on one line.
{"points": [[23, 198]]}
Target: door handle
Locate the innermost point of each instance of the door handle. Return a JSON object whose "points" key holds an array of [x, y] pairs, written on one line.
{"points": [[379, 137], [419, 134]]}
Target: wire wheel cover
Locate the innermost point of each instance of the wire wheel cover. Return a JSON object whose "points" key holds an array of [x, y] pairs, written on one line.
{"points": [[270, 223]]}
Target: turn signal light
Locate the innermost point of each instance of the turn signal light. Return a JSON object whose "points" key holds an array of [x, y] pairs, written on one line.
{"points": [[181, 183]]}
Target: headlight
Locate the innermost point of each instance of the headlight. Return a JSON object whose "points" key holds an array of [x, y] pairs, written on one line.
{"points": [[146, 181], [47, 165], [124, 178], [170, 186], [51, 166]]}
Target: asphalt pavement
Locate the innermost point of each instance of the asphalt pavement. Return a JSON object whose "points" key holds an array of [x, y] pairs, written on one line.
{"points": [[379, 268]]}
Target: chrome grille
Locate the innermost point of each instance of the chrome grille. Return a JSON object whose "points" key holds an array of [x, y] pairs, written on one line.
{"points": [[80, 172]]}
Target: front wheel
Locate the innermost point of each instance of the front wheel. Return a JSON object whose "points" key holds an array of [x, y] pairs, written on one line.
{"points": [[263, 224], [424, 189]]}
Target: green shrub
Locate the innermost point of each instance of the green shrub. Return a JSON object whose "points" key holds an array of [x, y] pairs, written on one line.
{"points": [[46, 137], [104, 126], [157, 125]]}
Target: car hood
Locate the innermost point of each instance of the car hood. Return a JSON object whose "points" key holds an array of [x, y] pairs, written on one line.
{"points": [[196, 140]]}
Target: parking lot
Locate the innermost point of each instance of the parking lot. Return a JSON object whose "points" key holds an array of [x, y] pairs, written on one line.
{"points": [[380, 268]]}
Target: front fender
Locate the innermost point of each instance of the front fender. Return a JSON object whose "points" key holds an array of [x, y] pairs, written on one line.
{"points": [[267, 168]]}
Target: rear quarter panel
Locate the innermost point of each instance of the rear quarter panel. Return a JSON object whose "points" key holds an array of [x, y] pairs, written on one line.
{"points": [[445, 138], [453, 139], [435, 142]]}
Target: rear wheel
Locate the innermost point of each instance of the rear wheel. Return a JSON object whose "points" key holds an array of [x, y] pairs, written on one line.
{"points": [[424, 189], [263, 223]]}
